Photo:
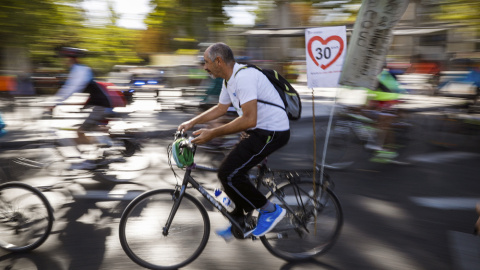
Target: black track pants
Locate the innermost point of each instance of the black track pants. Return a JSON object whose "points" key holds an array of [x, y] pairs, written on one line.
{"points": [[250, 151]]}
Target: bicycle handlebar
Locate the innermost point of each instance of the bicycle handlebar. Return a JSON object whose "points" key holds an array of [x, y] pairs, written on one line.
{"points": [[184, 134]]}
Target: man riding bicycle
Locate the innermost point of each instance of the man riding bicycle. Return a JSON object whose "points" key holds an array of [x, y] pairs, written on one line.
{"points": [[80, 79], [267, 128]]}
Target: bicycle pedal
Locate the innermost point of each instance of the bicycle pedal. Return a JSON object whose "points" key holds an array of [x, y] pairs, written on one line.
{"points": [[248, 234]]}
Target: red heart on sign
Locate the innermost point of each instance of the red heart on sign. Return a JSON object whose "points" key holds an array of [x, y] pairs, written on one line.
{"points": [[325, 42]]}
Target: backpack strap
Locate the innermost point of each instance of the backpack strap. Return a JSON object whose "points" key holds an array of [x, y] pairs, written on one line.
{"points": [[259, 100], [235, 74]]}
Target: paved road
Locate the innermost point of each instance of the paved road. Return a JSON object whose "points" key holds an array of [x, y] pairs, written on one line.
{"points": [[416, 217]]}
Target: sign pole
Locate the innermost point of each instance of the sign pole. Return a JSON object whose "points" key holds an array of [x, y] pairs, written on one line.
{"points": [[325, 51]]}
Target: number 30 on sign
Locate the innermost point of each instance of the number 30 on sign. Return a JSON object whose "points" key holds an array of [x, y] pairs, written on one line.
{"points": [[325, 52]]}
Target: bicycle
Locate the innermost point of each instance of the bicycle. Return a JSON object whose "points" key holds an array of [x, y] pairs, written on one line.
{"points": [[26, 217], [169, 228], [115, 161], [27, 212]]}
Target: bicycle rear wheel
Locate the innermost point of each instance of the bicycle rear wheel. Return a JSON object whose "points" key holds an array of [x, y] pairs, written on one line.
{"points": [[26, 217], [142, 224], [289, 240]]}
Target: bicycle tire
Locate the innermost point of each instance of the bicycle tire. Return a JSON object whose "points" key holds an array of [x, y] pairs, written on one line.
{"points": [[141, 230], [26, 217], [291, 242], [343, 147]]}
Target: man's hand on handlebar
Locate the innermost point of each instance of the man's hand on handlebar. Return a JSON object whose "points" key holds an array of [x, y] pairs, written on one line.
{"points": [[185, 126], [203, 135]]}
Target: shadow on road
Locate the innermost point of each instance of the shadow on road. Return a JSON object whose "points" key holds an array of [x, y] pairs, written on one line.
{"points": [[30, 261], [309, 264]]}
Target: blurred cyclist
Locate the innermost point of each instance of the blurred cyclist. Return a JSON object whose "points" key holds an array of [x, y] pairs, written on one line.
{"points": [[379, 107], [81, 80]]}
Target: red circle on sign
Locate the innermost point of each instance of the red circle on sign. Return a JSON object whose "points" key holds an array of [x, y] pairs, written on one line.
{"points": [[325, 42]]}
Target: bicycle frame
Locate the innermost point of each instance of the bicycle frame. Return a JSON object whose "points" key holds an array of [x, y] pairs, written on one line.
{"points": [[188, 179]]}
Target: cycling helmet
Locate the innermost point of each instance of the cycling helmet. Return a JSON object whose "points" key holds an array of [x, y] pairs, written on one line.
{"points": [[182, 154], [72, 52]]}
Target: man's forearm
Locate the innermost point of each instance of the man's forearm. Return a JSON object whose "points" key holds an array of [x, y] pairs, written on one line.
{"points": [[210, 114], [239, 124], [242, 123]]}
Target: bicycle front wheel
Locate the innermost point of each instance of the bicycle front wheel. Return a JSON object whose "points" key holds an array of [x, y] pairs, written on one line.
{"points": [[142, 230], [33, 158], [26, 217], [322, 216]]}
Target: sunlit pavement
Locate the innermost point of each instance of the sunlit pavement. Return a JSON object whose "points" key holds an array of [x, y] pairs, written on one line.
{"points": [[416, 217]]}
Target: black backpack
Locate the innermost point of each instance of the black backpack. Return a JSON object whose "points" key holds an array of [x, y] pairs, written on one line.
{"points": [[290, 96]]}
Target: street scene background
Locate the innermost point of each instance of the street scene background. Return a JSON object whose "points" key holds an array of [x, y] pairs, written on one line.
{"points": [[416, 215]]}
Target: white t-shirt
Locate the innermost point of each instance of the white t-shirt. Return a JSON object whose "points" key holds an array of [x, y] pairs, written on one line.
{"points": [[249, 84]]}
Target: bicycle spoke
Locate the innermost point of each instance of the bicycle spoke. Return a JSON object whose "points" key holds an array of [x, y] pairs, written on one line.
{"points": [[26, 217], [142, 226], [311, 225]]}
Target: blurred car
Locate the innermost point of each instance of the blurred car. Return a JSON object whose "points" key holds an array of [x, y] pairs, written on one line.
{"points": [[131, 79], [151, 80], [147, 79]]}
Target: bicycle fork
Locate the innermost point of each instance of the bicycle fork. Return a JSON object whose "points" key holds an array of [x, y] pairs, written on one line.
{"points": [[177, 199]]}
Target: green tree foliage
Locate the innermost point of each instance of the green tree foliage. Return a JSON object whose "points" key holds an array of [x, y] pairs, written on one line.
{"points": [[21, 20], [38, 26], [42, 26], [181, 24], [305, 11]]}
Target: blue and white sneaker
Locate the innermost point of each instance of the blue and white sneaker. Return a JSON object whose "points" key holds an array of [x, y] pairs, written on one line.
{"points": [[226, 234], [268, 220]]}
